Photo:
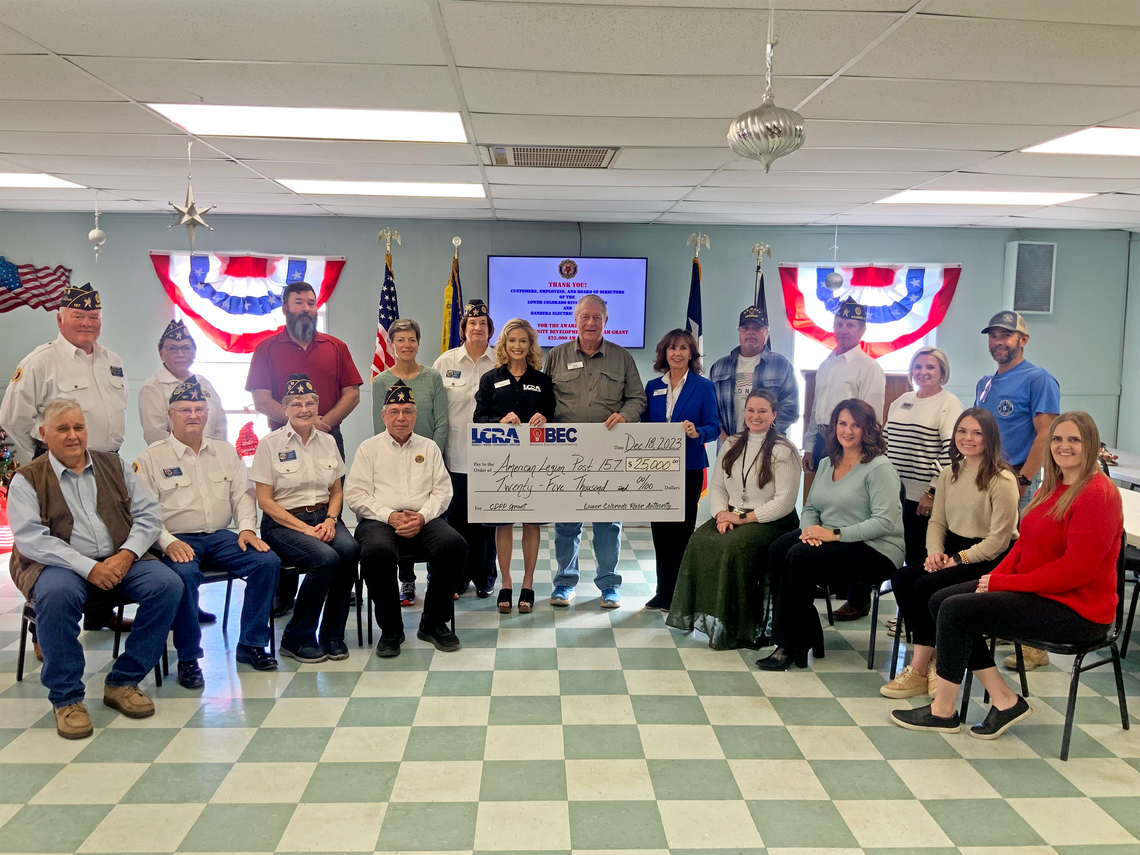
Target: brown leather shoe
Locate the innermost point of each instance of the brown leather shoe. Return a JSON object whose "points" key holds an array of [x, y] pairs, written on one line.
{"points": [[104, 619], [73, 722], [128, 700], [850, 612]]}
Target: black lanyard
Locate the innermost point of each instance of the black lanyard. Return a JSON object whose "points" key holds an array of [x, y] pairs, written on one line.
{"points": [[744, 472]]}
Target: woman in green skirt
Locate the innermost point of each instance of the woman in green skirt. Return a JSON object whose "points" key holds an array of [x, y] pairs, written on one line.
{"points": [[752, 493]]}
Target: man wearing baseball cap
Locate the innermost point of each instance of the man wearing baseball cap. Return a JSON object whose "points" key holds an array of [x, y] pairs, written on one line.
{"points": [[1024, 398]]}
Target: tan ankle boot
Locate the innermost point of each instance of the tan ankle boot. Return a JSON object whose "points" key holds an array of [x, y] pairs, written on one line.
{"points": [[932, 675], [128, 700], [73, 722], [1031, 656]]}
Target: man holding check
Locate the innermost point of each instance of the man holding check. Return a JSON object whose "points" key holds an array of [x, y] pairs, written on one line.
{"points": [[594, 381]]}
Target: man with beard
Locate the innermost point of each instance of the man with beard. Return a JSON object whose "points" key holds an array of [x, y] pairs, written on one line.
{"points": [[300, 349], [1024, 398]]}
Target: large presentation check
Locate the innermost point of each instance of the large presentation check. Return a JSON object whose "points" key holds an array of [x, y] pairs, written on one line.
{"points": [[575, 473]]}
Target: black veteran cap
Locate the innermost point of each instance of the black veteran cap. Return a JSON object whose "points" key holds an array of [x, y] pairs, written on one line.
{"points": [[1007, 321], [299, 384], [399, 393], [176, 331], [475, 309], [80, 297], [852, 311], [753, 315], [188, 390]]}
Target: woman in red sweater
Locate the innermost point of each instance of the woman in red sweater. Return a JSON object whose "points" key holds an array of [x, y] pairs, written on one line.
{"points": [[1058, 583]]}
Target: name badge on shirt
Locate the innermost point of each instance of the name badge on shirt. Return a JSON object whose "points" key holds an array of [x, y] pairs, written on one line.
{"points": [[502, 383], [175, 472], [574, 364], [907, 405], [116, 371], [452, 373], [287, 455], [530, 387], [661, 392]]}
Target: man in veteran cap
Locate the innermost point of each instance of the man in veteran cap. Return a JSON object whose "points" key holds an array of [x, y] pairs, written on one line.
{"points": [[203, 486], [176, 349], [749, 367], [399, 488], [77, 367]]}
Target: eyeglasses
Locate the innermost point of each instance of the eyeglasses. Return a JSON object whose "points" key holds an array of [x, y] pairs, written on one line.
{"points": [[183, 350], [985, 391]]}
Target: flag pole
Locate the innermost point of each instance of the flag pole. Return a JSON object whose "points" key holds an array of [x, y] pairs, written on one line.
{"points": [[389, 235], [759, 300]]}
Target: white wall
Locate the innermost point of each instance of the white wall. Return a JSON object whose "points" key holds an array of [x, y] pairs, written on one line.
{"points": [[1128, 425], [1082, 343]]}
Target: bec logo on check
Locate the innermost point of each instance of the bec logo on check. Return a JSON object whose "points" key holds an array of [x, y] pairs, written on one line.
{"points": [[554, 434]]}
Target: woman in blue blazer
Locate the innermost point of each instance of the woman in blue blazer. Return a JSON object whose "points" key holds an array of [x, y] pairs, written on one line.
{"points": [[683, 396]]}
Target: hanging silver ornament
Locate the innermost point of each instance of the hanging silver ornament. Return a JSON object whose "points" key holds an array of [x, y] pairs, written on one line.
{"points": [[767, 132], [833, 281], [190, 215], [97, 237]]}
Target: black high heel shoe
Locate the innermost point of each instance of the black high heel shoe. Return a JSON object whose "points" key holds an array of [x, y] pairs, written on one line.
{"points": [[781, 659]]}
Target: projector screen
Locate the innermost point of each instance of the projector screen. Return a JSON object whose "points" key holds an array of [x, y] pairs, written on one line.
{"points": [[544, 290]]}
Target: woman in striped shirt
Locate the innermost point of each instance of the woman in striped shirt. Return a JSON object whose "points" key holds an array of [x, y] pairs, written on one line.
{"points": [[919, 429]]}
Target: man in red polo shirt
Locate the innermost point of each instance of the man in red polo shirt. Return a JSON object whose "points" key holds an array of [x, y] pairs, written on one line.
{"points": [[300, 349]]}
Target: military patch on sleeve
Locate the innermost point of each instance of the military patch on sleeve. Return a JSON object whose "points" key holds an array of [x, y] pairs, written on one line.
{"points": [[19, 373], [135, 467]]}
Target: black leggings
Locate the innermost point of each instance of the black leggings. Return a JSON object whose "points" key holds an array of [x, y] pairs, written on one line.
{"points": [[671, 538], [798, 569], [914, 587], [965, 618]]}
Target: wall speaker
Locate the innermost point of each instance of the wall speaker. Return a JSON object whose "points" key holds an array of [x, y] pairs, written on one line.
{"points": [[1029, 270]]}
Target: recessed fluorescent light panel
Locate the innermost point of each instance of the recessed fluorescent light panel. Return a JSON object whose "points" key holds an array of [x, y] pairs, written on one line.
{"points": [[214, 120], [37, 180], [383, 188], [979, 197], [1111, 141]]}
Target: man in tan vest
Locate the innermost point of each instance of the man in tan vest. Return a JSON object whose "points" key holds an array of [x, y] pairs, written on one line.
{"points": [[82, 521]]}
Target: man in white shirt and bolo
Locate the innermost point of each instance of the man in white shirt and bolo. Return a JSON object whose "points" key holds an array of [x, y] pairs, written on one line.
{"points": [[398, 488], [203, 486], [846, 372]]}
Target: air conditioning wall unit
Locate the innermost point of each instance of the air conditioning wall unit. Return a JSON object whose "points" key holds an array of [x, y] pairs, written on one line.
{"points": [[1030, 268], [551, 157]]}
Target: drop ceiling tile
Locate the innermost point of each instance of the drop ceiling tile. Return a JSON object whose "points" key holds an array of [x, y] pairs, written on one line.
{"points": [[105, 205], [600, 193], [859, 219], [221, 199], [345, 151], [652, 40], [171, 145], [12, 42], [97, 165], [869, 160], [784, 177], [1121, 12], [949, 48], [994, 181], [1065, 165], [595, 177], [784, 195], [967, 102], [823, 133], [276, 208], [582, 217], [1027, 223], [176, 186], [1120, 218], [892, 211], [1131, 120], [279, 84], [395, 31], [409, 202], [1112, 201], [816, 210], [490, 90], [737, 219], [581, 205], [11, 194], [48, 78], [412, 213], [634, 157], [368, 172], [90, 116], [497, 129]]}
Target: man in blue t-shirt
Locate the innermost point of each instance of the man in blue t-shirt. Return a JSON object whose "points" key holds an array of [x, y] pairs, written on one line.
{"points": [[1024, 398]]}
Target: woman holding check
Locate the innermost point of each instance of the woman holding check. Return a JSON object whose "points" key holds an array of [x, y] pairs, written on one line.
{"points": [[516, 392]]}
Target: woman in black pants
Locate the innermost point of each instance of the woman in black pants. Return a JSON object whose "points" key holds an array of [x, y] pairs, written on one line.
{"points": [[1057, 584], [972, 526], [852, 533]]}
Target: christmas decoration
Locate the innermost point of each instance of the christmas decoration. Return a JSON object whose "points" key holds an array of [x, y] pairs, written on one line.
{"points": [[190, 215]]}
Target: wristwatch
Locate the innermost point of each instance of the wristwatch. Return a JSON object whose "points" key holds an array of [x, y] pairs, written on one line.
{"points": [[835, 531], [1022, 480], [743, 516]]}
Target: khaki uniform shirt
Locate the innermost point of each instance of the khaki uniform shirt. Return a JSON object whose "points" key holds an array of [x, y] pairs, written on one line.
{"points": [[592, 388]]}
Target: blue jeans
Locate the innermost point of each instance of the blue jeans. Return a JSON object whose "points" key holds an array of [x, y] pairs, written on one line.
{"points": [[220, 551], [330, 573], [60, 595], [607, 550], [1034, 485]]}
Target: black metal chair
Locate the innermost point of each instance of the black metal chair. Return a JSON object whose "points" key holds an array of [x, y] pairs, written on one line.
{"points": [[297, 570], [1131, 565], [209, 576], [1079, 652], [883, 587], [410, 555], [113, 600]]}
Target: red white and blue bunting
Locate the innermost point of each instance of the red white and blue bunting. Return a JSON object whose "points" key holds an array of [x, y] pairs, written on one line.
{"points": [[904, 301], [235, 298]]}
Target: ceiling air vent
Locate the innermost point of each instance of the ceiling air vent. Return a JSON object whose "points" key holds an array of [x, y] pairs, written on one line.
{"points": [[563, 157]]}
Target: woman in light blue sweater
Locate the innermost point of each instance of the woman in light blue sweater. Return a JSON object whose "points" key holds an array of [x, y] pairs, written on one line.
{"points": [[852, 533]]}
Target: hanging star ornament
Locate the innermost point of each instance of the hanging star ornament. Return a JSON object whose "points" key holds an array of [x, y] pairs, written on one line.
{"points": [[190, 215]]}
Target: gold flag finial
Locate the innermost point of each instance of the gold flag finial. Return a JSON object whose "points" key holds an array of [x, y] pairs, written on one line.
{"points": [[760, 250], [698, 239], [389, 235]]}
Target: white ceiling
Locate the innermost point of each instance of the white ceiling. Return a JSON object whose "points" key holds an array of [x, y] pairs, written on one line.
{"points": [[896, 94]]}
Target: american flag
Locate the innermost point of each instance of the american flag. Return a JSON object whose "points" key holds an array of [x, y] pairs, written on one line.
{"points": [[28, 285], [385, 356]]}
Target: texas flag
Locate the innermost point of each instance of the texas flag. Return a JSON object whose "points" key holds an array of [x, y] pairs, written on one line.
{"points": [[235, 299], [904, 301]]}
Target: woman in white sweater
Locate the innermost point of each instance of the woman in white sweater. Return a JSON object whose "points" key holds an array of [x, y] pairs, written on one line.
{"points": [[752, 495], [973, 524]]}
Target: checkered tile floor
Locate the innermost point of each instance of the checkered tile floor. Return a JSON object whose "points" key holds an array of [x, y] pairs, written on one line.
{"points": [[574, 730]]}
